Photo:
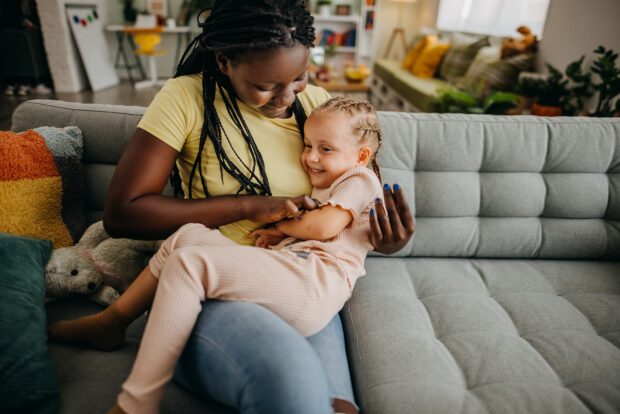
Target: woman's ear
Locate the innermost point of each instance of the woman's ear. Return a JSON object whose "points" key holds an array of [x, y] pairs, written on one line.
{"points": [[223, 63], [364, 156]]}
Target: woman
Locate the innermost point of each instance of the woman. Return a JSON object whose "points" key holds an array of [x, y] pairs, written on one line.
{"points": [[231, 120]]}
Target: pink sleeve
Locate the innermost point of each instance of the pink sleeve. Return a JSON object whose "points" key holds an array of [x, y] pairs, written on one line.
{"points": [[355, 191]]}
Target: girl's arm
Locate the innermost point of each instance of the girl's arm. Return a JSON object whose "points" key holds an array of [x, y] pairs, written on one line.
{"points": [[135, 208], [321, 224]]}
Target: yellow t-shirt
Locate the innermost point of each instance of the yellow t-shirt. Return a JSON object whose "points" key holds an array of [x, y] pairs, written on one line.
{"points": [[176, 116]]}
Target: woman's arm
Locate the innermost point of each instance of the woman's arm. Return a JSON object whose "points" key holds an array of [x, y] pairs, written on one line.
{"points": [[320, 224], [135, 207]]}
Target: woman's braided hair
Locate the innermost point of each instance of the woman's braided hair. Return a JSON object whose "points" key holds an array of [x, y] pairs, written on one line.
{"points": [[364, 123], [235, 28]]}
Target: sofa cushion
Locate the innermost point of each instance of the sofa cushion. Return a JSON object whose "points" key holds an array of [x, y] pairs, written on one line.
{"points": [[507, 186], [42, 183], [461, 335], [27, 383], [457, 60], [414, 52], [419, 91], [501, 75], [427, 63]]}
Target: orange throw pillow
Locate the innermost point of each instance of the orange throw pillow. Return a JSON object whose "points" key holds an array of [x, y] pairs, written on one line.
{"points": [[416, 50], [428, 62], [42, 184]]}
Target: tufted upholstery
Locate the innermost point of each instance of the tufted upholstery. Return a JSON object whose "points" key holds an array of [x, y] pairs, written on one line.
{"points": [[553, 186], [458, 325], [478, 335]]}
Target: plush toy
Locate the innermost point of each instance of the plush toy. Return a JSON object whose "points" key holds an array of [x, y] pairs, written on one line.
{"points": [[98, 266], [526, 44]]}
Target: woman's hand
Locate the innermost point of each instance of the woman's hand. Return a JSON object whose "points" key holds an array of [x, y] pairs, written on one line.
{"points": [[391, 227], [264, 209], [269, 236]]}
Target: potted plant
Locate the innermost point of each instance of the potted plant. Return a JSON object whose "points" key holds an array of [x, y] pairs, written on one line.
{"points": [[324, 7], [129, 11], [608, 87], [551, 92], [579, 88], [459, 101], [530, 85]]}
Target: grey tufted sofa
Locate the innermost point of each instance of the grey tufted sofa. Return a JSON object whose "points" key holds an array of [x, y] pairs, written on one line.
{"points": [[507, 300]]}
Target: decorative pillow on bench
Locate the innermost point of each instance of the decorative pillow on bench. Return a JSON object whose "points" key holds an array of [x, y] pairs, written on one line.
{"points": [[42, 184]]}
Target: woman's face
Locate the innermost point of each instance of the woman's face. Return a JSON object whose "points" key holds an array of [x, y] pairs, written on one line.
{"points": [[269, 80]]}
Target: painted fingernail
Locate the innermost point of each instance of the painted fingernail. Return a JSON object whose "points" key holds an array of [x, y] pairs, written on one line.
{"points": [[377, 200], [386, 187], [372, 212], [396, 187]]}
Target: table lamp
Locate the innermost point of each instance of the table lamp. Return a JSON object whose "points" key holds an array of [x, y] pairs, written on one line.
{"points": [[398, 31]]}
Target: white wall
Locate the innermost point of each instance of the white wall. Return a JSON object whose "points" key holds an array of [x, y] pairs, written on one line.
{"points": [[576, 27]]}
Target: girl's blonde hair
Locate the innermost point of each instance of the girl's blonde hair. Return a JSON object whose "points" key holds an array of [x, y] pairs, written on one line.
{"points": [[364, 123]]}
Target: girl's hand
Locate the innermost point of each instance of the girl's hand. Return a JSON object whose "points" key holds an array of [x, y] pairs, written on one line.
{"points": [[391, 227], [264, 209], [268, 236]]}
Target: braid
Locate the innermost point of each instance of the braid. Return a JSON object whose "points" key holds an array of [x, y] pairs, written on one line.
{"points": [[235, 28]]}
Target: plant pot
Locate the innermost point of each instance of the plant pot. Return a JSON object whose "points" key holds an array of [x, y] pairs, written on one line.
{"points": [[543, 110], [325, 10]]}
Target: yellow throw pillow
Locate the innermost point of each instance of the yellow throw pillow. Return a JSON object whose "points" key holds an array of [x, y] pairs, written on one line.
{"points": [[416, 50], [428, 62]]}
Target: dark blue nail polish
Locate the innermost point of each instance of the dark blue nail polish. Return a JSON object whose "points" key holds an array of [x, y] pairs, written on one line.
{"points": [[372, 212], [377, 200], [386, 187], [396, 187]]}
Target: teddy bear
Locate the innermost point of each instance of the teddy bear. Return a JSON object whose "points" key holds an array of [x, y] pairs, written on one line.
{"points": [[527, 43], [98, 266]]}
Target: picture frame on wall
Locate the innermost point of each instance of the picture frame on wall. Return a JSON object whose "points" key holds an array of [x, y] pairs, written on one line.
{"points": [[343, 9]]}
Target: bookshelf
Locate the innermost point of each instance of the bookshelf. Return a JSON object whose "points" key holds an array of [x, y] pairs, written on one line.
{"points": [[353, 34]]}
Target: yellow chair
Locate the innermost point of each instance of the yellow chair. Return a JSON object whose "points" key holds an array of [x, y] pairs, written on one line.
{"points": [[147, 41]]}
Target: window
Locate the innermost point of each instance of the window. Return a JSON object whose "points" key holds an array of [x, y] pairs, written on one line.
{"points": [[493, 17]]}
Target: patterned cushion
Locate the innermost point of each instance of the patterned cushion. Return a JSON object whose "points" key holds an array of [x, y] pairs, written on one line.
{"points": [[42, 184], [426, 65], [459, 57], [500, 75], [27, 382]]}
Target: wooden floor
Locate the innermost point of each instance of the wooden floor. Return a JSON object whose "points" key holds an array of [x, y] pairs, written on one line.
{"points": [[123, 94]]}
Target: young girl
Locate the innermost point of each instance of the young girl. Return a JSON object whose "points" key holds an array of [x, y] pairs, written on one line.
{"points": [[305, 279]]}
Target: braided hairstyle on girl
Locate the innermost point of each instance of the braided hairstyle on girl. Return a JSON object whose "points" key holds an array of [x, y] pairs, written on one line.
{"points": [[364, 123], [235, 28]]}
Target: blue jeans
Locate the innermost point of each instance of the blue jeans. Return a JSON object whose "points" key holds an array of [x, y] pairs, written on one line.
{"points": [[244, 356]]}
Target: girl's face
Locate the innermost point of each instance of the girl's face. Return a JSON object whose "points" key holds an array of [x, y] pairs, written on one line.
{"points": [[330, 149], [268, 81]]}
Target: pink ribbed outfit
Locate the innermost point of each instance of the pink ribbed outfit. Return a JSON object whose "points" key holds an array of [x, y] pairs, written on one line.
{"points": [[305, 282]]}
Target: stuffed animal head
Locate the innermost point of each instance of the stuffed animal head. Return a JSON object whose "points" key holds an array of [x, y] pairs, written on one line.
{"points": [[70, 271]]}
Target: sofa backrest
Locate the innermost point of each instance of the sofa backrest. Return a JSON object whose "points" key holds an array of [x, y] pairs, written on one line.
{"points": [[507, 186], [479, 186], [106, 129]]}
